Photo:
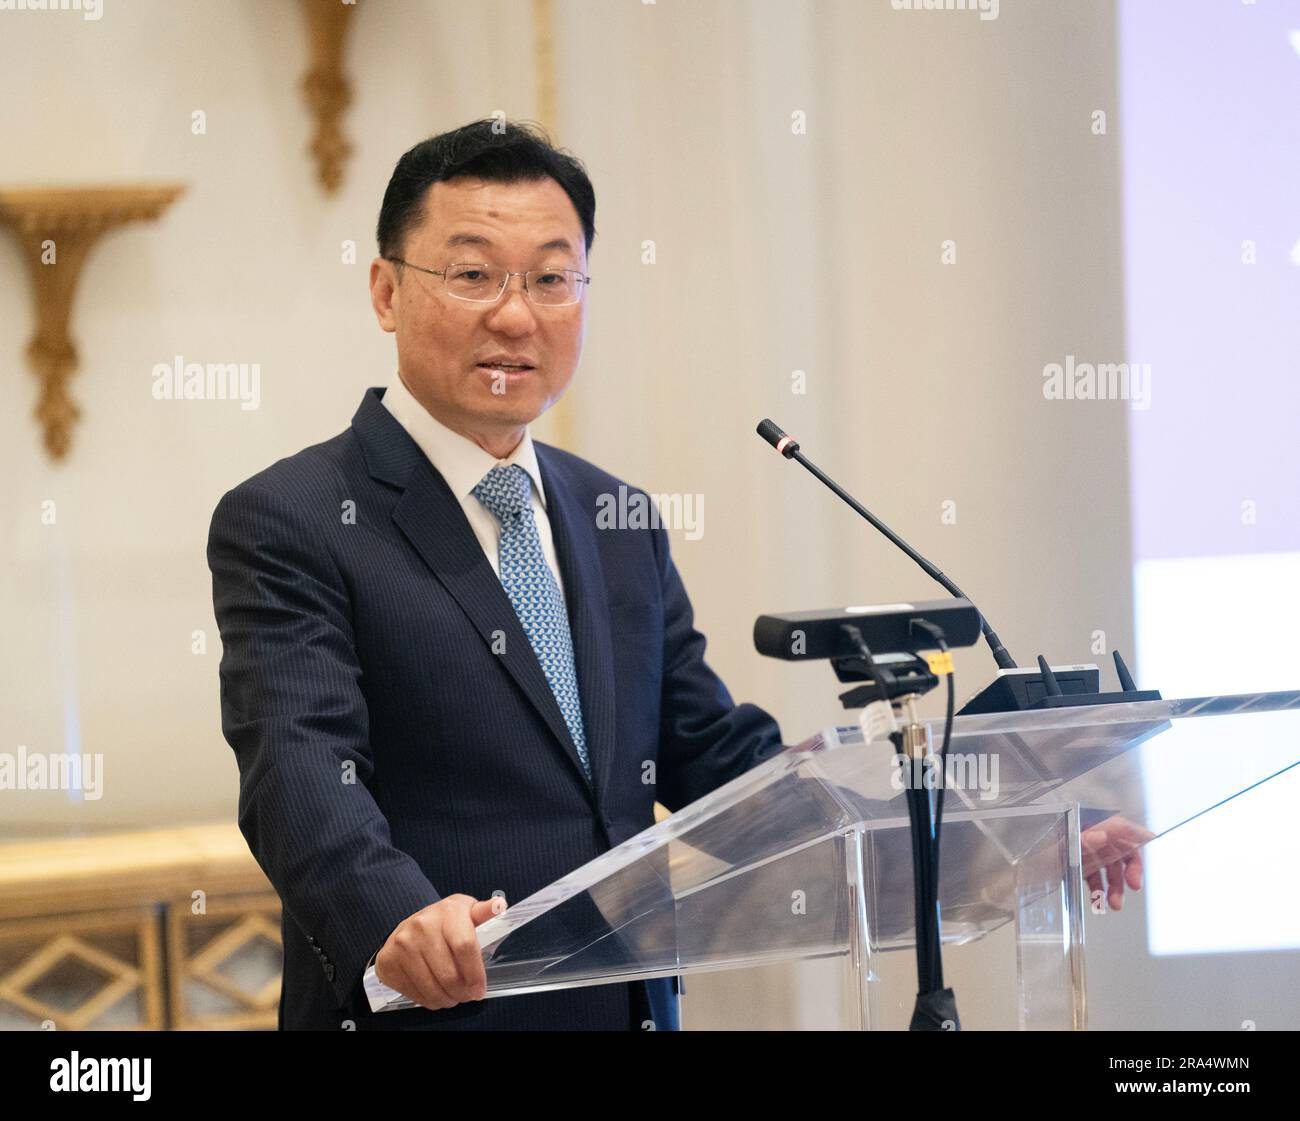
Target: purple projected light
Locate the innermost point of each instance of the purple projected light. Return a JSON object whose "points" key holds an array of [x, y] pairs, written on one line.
{"points": [[1210, 126], [1211, 139]]}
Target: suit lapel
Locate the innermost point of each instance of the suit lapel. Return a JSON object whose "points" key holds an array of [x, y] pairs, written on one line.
{"points": [[432, 520], [574, 531]]}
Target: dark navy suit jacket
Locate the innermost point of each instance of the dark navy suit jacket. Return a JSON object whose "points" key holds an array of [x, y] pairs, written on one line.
{"points": [[389, 755]]}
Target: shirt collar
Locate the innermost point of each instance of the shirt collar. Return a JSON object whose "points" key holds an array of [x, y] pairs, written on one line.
{"points": [[460, 461]]}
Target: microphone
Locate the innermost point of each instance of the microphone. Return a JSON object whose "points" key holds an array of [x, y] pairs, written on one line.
{"points": [[789, 448]]}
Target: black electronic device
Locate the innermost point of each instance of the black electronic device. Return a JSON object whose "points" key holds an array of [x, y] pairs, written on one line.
{"points": [[889, 628], [1014, 690]]}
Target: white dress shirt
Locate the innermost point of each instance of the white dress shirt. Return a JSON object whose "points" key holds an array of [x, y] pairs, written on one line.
{"points": [[462, 463]]}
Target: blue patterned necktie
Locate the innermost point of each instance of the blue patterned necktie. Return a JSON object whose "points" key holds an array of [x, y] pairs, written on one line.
{"points": [[506, 492]]}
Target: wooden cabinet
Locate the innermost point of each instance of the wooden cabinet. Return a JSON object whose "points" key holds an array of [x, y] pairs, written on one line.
{"points": [[153, 930]]}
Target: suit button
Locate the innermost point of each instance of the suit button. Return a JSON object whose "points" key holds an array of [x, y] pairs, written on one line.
{"points": [[329, 973]]}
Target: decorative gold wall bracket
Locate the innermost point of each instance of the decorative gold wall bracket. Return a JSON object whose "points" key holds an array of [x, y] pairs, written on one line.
{"points": [[57, 226], [544, 55], [327, 88]]}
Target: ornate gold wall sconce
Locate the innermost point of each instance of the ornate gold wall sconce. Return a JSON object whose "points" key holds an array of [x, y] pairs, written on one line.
{"points": [[56, 227], [327, 88]]}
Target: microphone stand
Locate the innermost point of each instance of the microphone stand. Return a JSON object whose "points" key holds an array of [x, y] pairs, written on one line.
{"points": [[936, 1005]]}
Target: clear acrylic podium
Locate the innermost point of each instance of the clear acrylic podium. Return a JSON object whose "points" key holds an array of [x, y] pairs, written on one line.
{"points": [[808, 857]]}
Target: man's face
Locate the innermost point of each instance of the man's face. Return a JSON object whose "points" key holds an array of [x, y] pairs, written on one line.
{"points": [[443, 342]]}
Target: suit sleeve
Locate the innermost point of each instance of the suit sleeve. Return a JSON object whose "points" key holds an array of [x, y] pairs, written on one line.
{"points": [[705, 739], [294, 713]]}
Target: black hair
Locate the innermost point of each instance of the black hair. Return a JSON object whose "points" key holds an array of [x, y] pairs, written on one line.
{"points": [[491, 149]]}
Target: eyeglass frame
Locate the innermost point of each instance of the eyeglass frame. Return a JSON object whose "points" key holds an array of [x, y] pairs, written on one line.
{"points": [[583, 278]]}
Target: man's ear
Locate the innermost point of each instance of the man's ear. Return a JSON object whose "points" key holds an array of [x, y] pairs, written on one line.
{"points": [[383, 293]]}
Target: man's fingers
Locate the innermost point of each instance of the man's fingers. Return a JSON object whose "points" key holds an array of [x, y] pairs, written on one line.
{"points": [[431, 942], [433, 958], [485, 909], [1115, 885], [1116, 850], [1130, 834], [466, 957], [1097, 849], [442, 962], [429, 991], [1133, 871], [1093, 839], [436, 997], [1111, 840], [411, 977]]}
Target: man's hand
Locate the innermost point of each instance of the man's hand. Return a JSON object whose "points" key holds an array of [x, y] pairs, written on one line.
{"points": [[1114, 845], [433, 957]]}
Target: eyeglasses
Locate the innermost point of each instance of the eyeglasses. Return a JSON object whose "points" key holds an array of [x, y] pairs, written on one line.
{"points": [[483, 284]]}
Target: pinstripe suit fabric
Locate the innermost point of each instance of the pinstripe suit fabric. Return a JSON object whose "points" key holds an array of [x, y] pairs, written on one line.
{"points": [[396, 737]]}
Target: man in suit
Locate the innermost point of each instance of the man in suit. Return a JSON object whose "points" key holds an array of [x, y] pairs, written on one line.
{"points": [[445, 684]]}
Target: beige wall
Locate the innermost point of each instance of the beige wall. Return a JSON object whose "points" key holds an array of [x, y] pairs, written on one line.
{"points": [[775, 252]]}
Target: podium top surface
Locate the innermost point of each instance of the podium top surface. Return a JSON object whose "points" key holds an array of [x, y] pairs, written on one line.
{"points": [[710, 886], [1152, 764]]}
